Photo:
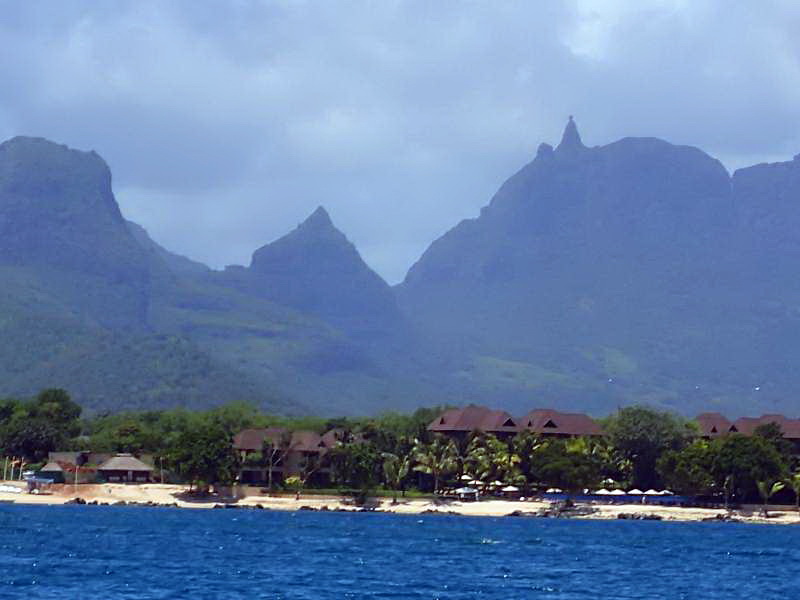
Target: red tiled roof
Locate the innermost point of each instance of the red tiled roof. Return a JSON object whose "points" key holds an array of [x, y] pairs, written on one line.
{"points": [[713, 424], [474, 418], [553, 422]]}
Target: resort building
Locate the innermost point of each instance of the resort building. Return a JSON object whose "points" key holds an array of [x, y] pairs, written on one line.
{"points": [[550, 422], [125, 468], [284, 453], [713, 424], [460, 422], [89, 467]]}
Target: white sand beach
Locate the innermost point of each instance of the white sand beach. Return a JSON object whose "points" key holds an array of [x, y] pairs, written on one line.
{"points": [[165, 494]]}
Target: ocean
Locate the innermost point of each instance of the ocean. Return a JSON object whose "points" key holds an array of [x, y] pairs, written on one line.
{"points": [[76, 552]]}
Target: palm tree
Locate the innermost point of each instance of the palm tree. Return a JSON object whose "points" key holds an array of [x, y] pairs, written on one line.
{"points": [[794, 483], [525, 445], [395, 470], [767, 490], [436, 459]]}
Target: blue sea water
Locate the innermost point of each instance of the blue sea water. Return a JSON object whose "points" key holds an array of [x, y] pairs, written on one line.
{"points": [[75, 552]]}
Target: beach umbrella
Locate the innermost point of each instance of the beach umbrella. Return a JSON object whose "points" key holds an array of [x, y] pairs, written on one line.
{"points": [[496, 483], [635, 492], [652, 492], [466, 477], [466, 490], [510, 488], [553, 491], [617, 492], [667, 493], [603, 492], [476, 482], [608, 481]]}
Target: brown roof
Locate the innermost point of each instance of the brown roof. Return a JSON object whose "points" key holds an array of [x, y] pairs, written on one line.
{"points": [[253, 439], [308, 441], [713, 424], [124, 462], [474, 418], [54, 466], [748, 425], [553, 422]]}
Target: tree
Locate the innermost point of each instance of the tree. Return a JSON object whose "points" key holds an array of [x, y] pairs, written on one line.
{"points": [[641, 435], [274, 451], [204, 455], [688, 471], [767, 489], [772, 433], [794, 483], [355, 464], [310, 464], [566, 467], [745, 460], [395, 470], [492, 459], [437, 459], [525, 445]]}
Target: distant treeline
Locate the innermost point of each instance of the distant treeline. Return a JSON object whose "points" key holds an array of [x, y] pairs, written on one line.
{"points": [[643, 448]]}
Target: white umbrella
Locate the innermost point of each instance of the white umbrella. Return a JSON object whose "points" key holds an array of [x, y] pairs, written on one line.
{"points": [[608, 481], [466, 477], [603, 492], [466, 490], [510, 488], [476, 482], [652, 492], [667, 493], [553, 491], [496, 483], [616, 492], [635, 492]]}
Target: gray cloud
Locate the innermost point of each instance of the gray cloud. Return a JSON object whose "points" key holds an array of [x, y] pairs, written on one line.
{"points": [[227, 123]]}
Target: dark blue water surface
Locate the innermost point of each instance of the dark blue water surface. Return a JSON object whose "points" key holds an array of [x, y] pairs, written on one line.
{"points": [[70, 552]]}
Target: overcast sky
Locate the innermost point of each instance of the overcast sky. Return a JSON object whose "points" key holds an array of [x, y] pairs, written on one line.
{"points": [[225, 124]]}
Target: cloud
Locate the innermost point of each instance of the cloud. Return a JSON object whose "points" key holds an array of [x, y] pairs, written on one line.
{"points": [[225, 124]]}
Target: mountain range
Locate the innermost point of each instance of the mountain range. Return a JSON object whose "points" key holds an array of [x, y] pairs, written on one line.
{"points": [[638, 271]]}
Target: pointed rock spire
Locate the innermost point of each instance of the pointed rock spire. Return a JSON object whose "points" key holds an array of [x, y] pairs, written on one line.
{"points": [[571, 138], [319, 218]]}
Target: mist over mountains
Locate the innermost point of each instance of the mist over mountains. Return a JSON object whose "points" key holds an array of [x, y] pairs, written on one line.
{"points": [[638, 271]]}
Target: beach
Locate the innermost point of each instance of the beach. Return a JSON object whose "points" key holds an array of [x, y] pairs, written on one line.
{"points": [[175, 495]]}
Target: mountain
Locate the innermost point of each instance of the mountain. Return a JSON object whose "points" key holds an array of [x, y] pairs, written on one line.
{"points": [[91, 303], [637, 271], [634, 271], [176, 263], [317, 270]]}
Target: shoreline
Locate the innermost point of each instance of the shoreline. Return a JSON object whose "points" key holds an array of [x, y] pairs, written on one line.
{"points": [[154, 494]]}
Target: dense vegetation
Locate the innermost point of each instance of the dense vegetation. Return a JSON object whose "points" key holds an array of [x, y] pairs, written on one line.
{"points": [[643, 449]]}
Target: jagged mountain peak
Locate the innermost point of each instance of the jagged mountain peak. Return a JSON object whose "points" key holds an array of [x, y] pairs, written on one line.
{"points": [[571, 139], [319, 218]]}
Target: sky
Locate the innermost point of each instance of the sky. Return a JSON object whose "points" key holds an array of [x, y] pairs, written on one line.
{"points": [[225, 124]]}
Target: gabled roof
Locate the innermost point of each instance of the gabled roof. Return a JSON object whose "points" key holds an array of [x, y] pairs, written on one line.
{"points": [[553, 422], [713, 424], [308, 441], [253, 439], [124, 462], [474, 418], [748, 425]]}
